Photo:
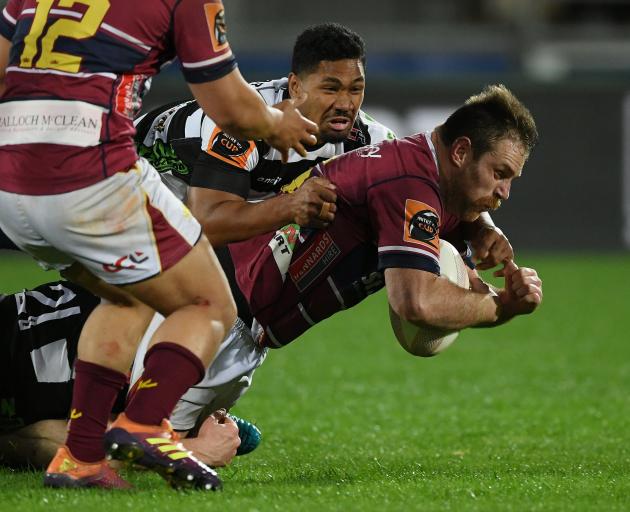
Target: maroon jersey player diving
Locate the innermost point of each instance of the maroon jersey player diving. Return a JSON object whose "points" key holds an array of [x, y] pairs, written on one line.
{"points": [[395, 200], [74, 195]]}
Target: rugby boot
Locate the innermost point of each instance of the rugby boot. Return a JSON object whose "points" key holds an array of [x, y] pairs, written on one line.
{"points": [[158, 448], [249, 433], [66, 471]]}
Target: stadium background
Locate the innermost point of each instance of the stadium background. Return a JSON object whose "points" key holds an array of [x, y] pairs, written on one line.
{"points": [[569, 61], [531, 416]]}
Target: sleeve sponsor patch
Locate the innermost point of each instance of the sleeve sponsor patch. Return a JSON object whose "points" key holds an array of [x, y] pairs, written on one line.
{"points": [[422, 224], [215, 16], [228, 149]]}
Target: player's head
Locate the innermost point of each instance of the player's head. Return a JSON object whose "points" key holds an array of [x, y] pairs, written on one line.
{"points": [[487, 141], [328, 66]]}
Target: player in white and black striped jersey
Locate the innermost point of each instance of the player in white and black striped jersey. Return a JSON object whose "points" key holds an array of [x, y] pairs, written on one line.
{"points": [[328, 79], [39, 335]]}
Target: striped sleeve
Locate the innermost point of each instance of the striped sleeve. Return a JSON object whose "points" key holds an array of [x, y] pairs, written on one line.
{"points": [[406, 213], [201, 40]]}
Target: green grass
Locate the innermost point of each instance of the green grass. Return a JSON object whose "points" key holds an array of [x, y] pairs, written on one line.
{"points": [[534, 415]]}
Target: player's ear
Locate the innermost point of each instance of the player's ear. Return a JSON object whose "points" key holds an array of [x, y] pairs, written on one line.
{"points": [[461, 151], [295, 86]]}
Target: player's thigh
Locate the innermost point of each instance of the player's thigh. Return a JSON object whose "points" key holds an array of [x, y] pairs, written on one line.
{"points": [[197, 279], [125, 229]]}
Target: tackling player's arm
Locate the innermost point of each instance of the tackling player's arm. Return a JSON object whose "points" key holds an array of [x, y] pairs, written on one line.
{"points": [[241, 112], [33, 445], [228, 217]]}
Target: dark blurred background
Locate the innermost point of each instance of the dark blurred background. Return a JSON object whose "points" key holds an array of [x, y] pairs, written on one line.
{"points": [[568, 60]]}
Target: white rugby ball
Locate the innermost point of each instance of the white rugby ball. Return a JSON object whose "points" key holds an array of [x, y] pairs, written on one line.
{"points": [[429, 341]]}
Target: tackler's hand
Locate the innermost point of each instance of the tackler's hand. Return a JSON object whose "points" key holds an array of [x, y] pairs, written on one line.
{"points": [[292, 130], [490, 247], [313, 204]]}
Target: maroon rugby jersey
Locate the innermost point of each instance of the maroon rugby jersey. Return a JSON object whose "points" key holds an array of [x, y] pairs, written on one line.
{"points": [[390, 215], [75, 79]]}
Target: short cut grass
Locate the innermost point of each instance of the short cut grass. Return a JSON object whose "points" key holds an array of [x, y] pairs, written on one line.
{"points": [[492, 115]]}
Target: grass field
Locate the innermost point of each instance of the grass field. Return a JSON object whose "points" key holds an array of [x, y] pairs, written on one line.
{"points": [[534, 415]]}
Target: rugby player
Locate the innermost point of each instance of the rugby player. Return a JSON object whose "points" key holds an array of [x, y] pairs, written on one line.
{"points": [[38, 346], [395, 200], [75, 196]]}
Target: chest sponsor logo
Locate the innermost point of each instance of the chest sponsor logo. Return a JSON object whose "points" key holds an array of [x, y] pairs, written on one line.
{"points": [[422, 224], [215, 16], [68, 123], [312, 264]]}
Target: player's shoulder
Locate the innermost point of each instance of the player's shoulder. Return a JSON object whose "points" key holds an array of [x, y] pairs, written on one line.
{"points": [[367, 130], [272, 91]]}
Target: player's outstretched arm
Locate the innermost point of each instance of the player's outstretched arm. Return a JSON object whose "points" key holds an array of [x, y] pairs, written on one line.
{"points": [[33, 445], [239, 110], [227, 217], [5, 48], [425, 299]]}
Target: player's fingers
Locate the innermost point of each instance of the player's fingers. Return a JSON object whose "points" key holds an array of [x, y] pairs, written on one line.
{"points": [[509, 267], [480, 251], [220, 415], [526, 289], [326, 213], [326, 194], [299, 148]]}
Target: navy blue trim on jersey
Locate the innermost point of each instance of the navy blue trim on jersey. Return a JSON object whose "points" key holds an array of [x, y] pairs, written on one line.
{"points": [[406, 260], [6, 29], [209, 74], [113, 55], [210, 172]]}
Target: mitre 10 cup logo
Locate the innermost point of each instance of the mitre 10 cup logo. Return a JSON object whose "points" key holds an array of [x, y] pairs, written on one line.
{"points": [[215, 16], [422, 224]]}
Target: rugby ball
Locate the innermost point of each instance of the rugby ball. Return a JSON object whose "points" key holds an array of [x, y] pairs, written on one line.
{"points": [[429, 341]]}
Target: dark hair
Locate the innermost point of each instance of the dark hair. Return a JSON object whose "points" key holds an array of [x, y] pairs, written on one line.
{"points": [[327, 41], [488, 117]]}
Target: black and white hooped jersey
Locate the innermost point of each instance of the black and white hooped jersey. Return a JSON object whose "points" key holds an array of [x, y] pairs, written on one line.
{"points": [[39, 335], [180, 141]]}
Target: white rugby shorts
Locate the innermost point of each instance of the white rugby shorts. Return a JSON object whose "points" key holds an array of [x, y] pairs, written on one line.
{"points": [[124, 229], [227, 378]]}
